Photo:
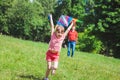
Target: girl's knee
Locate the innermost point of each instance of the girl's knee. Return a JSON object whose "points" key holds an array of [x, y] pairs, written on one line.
{"points": [[49, 67], [54, 68]]}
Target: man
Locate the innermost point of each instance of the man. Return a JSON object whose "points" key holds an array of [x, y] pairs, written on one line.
{"points": [[72, 38]]}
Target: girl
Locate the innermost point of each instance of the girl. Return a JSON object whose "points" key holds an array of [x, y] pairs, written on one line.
{"points": [[52, 55]]}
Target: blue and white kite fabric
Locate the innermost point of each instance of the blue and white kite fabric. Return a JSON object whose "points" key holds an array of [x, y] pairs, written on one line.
{"points": [[64, 20]]}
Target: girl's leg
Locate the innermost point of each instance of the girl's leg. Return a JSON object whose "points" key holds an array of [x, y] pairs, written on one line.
{"points": [[54, 67], [49, 64]]}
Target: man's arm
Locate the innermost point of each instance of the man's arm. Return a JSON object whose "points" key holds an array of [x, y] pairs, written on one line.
{"points": [[76, 36]]}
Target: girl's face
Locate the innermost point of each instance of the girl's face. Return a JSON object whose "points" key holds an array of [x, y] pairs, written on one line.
{"points": [[59, 31]]}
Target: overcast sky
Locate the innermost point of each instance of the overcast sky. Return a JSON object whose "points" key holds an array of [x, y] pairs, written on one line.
{"points": [[31, 0]]}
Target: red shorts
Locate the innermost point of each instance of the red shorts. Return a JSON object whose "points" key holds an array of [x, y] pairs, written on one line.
{"points": [[52, 56]]}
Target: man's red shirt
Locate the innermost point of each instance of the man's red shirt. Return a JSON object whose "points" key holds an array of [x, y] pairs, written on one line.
{"points": [[72, 35]]}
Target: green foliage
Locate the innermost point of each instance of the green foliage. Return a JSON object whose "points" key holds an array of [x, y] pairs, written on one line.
{"points": [[106, 19], [25, 19], [88, 42], [63, 8], [107, 25], [48, 6], [4, 6]]}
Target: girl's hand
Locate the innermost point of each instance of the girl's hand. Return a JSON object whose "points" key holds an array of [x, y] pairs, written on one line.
{"points": [[68, 29], [50, 15], [51, 23]]}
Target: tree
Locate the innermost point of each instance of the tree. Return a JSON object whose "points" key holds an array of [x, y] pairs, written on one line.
{"points": [[4, 6], [25, 19], [107, 27]]}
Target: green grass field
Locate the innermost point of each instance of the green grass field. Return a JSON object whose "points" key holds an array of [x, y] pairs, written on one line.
{"points": [[25, 60]]}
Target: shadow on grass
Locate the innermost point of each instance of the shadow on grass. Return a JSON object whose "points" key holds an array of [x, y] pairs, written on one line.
{"points": [[30, 77]]}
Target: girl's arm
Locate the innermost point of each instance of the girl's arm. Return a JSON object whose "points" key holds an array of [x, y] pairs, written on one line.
{"points": [[51, 24], [68, 29]]}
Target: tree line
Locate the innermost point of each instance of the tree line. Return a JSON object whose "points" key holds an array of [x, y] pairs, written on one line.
{"points": [[99, 33]]}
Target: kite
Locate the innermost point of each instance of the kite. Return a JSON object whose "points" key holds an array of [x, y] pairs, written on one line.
{"points": [[66, 20]]}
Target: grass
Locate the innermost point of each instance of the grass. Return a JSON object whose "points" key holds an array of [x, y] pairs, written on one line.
{"points": [[25, 60]]}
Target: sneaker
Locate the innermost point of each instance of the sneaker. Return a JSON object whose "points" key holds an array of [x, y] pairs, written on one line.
{"points": [[45, 79]]}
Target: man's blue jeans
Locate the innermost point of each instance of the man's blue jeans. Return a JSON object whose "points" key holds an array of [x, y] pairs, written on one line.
{"points": [[71, 45]]}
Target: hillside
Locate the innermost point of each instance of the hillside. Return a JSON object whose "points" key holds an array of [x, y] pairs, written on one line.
{"points": [[25, 60]]}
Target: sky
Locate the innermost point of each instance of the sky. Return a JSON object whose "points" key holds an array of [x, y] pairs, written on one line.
{"points": [[31, 0]]}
